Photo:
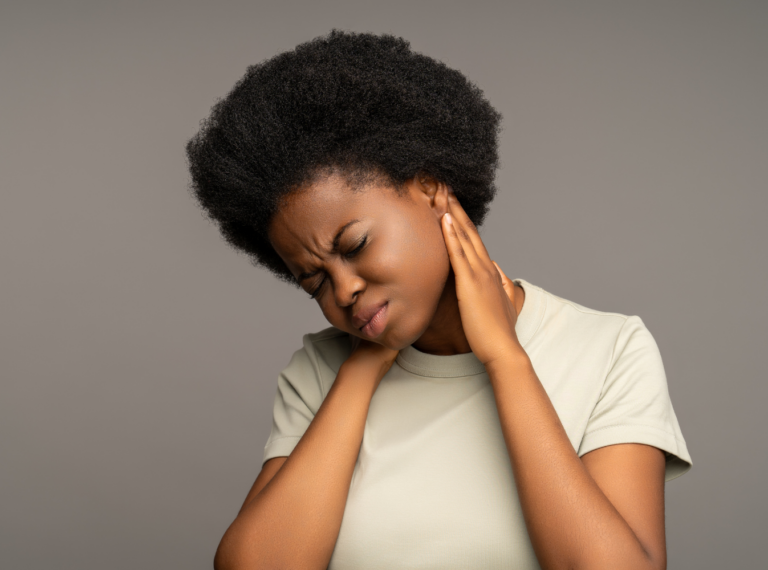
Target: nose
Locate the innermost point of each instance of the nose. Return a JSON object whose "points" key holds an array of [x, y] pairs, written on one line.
{"points": [[347, 285]]}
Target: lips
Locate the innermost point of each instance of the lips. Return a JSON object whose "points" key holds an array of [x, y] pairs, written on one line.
{"points": [[377, 324], [362, 317]]}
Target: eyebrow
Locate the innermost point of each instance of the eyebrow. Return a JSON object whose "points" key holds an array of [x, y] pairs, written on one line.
{"points": [[336, 240]]}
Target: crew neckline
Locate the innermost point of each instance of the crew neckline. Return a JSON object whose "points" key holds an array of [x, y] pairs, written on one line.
{"points": [[467, 364]]}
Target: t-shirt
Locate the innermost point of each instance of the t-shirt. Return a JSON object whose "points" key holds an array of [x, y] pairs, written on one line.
{"points": [[433, 485]]}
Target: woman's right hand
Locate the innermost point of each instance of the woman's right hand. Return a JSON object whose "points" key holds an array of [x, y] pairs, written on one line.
{"points": [[372, 358]]}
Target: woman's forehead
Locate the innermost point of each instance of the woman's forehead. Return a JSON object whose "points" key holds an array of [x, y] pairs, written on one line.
{"points": [[312, 215], [316, 218], [323, 204], [316, 208], [330, 192]]}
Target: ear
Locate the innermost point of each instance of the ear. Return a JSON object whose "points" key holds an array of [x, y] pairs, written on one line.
{"points": [[434, 192]]}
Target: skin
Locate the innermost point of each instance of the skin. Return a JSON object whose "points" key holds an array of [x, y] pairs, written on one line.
{"points": [[605, 510], [425, 257], [404, 260]]}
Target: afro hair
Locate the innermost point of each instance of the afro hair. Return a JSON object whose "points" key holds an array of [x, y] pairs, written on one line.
{"points": [[364, 105]]}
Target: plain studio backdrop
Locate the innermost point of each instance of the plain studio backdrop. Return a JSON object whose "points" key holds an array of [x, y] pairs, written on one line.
{"points": [[139, 353]]}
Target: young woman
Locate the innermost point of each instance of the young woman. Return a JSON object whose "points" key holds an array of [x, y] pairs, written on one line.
{"points": [[451, 417]]}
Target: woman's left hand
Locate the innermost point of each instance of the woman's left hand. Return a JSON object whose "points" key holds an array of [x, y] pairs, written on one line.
{"points": [[486, 296]]}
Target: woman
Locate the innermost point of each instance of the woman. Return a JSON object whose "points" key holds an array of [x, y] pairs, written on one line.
{"points": [[450, 417]]}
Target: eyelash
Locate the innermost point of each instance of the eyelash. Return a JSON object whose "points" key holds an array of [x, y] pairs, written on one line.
{"points": [[350, 255]]}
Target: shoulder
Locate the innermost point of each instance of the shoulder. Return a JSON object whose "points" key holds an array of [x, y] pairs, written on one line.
{"points": [[565, 321], [325, 350], [592, 341], [329, 344]]}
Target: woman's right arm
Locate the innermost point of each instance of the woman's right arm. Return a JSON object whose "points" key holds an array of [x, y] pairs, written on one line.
{"points": [[292, 519]]}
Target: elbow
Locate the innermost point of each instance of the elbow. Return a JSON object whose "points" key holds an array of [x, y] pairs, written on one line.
{"points": [[230, 554], [239, 550], [218, 563], [223, 559]]}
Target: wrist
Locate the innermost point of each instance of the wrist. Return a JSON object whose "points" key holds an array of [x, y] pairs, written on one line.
{"points": [[364, 370], [514, 359]]}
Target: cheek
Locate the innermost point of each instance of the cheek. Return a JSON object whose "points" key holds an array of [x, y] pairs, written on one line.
{"points": [[423, 268], [418, 261]]}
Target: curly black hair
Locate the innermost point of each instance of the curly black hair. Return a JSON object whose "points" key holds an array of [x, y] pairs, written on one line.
{"points": [[363, 105]]}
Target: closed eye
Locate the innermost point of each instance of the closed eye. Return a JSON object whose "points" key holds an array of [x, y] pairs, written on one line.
{"points": [[349, 255], [358, 248]]}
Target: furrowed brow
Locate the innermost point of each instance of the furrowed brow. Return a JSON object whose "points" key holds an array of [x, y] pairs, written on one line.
{"points": [[334, 249]]}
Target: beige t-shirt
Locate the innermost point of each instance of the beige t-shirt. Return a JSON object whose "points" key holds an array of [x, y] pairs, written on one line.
{"points": [[433, 484]]}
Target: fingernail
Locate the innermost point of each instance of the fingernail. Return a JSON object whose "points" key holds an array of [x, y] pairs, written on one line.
{"points": [[448, 218]]}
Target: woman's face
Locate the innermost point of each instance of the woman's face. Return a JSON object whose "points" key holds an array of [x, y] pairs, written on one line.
{"points": [[360, 251]]}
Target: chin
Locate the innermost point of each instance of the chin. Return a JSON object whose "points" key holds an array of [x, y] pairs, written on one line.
{"points": [[393, 345], [390, 338], [398, 339]]}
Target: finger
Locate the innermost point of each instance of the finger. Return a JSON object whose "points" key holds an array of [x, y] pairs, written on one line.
{"points": [[504, 278], [468, 225], [506, 282], [456, 251], [465, 237]]}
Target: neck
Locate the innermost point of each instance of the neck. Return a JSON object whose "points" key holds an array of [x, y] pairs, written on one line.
{"points": [[445, 334]]}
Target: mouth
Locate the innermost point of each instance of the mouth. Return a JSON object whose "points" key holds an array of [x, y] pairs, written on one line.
{"points": [[377, 323]]}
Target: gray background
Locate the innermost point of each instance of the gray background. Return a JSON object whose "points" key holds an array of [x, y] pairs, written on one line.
{"points": [[139, 354]]}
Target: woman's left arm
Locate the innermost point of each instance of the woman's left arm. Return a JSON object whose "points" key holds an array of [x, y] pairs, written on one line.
{"points": [[605, 510]]}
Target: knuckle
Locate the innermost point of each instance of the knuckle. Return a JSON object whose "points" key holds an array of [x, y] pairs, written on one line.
{"points": [[489, 278]]}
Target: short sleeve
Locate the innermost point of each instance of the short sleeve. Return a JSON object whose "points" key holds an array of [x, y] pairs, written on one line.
{"points": [[299, 395], [634, 405]]}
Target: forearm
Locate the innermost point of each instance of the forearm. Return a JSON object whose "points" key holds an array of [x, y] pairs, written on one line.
{"points": [[570, 521], [295, 520]]}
